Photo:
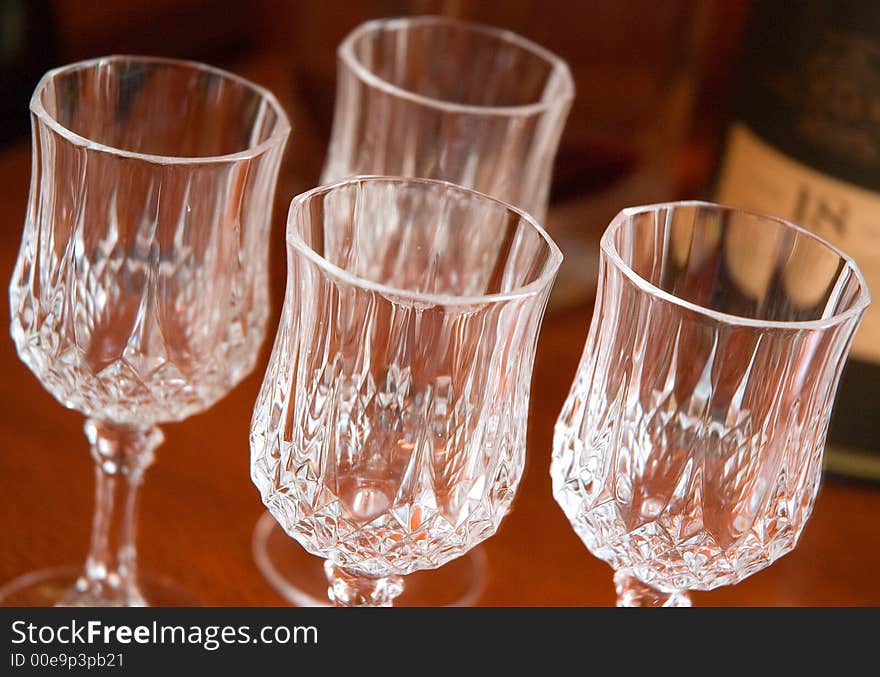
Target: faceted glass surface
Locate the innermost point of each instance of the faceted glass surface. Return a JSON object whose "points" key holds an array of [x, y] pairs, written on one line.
{"points": [[689, 450], [437, 98], [139, 294], [389, 435], [444, 99]]}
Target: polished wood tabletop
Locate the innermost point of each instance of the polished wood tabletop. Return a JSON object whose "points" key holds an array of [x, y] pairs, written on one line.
{"points": [[198, 505]]}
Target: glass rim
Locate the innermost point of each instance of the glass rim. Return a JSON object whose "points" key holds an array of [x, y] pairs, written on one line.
{"points": [[610, 253], [345, 53], [278, 136], [543, 281]]}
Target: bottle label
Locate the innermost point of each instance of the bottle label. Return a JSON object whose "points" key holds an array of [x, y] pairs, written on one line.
{"points": [[756, 176]]}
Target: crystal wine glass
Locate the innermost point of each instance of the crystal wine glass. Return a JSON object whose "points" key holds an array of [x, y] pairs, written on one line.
{"points": [[440, 98], [436, 98], [689, 452], [389, 435], [140, 291]]}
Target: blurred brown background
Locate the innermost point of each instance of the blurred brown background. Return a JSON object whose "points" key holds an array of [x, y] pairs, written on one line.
{"points": [[653, 83], [619, 53]]}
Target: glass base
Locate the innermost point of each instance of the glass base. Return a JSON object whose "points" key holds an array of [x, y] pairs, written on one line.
{"points": [[299, 576], [632, 592], [57, 587]]}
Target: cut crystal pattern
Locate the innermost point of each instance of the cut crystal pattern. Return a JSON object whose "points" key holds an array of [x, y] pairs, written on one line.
{"points": [[140, 291], [689, 449], [389, 435], [437, 98]]}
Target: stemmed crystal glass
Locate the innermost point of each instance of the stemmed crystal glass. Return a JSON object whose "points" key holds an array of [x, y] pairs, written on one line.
{"points": [[436, 98], [389, 435], [439, 98], [140, 291], [689, 452]]}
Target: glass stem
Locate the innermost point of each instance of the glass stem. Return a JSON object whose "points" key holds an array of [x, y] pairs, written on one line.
{"points": [[349, 588], [631, 591], [121, 456]]}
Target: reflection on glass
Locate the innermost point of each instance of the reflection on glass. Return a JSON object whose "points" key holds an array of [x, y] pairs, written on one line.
{"points": [[389, 435], [139, 294], [689, 452]]}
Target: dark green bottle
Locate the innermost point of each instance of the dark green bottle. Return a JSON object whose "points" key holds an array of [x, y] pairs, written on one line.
{"points": [[804, 144]]}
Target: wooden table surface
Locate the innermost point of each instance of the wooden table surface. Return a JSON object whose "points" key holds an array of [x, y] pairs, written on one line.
{"points": [[198, 506]]}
